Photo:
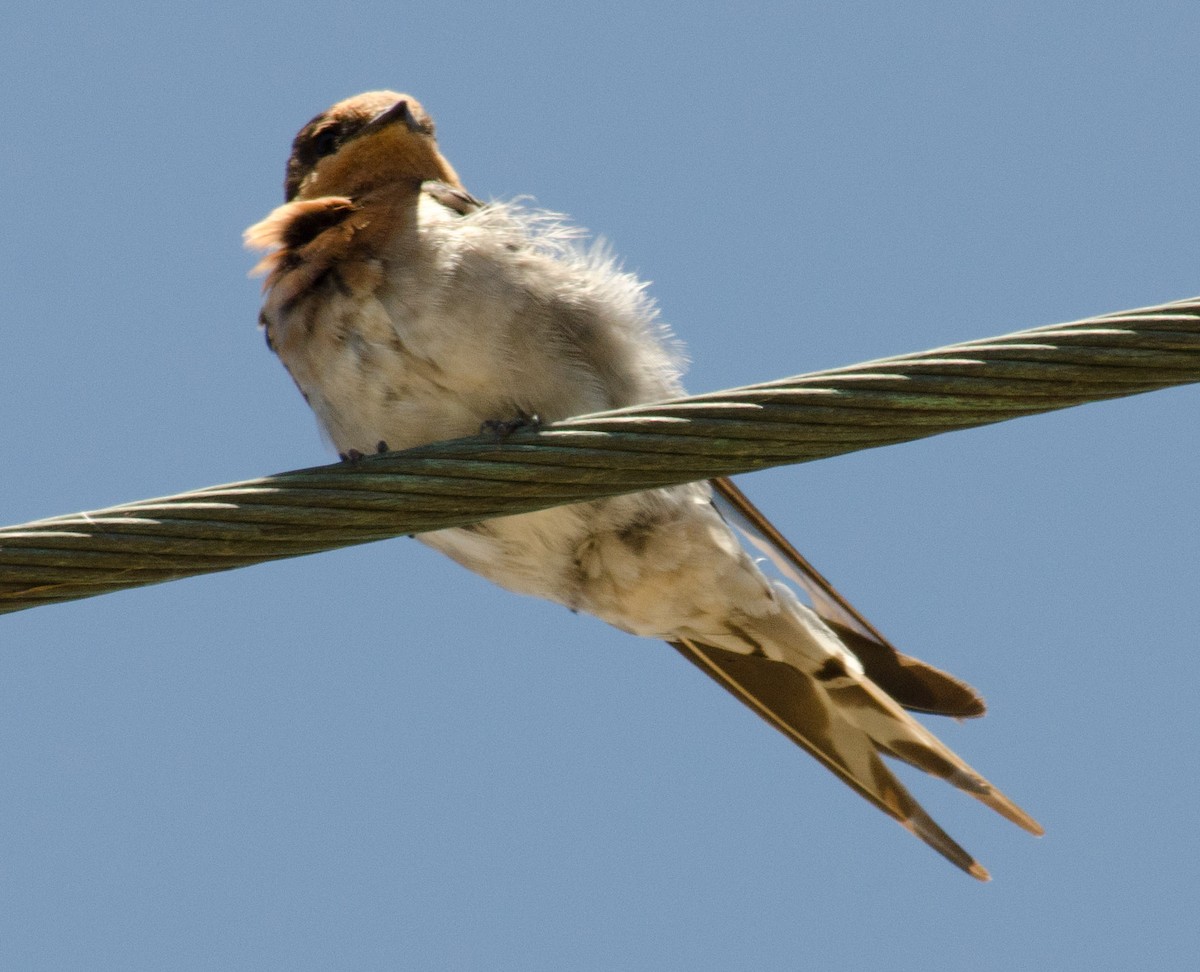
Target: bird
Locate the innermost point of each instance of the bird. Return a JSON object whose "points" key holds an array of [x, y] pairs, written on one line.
{"points": [[408, 311]]}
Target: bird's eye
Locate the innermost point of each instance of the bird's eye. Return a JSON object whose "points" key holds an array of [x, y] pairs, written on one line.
{"points": [[326, 142]]}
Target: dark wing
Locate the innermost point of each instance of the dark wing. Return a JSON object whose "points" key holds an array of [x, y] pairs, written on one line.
{"points": [[910, 681]]}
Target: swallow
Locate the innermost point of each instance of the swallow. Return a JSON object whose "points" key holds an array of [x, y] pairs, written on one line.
{"points": [[407, 311]]}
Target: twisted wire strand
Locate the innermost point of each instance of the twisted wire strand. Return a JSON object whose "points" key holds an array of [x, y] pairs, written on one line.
{"points": [[793, 420]]}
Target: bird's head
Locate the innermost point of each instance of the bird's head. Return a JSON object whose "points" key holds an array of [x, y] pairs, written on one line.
{"points": [[363, 143]]}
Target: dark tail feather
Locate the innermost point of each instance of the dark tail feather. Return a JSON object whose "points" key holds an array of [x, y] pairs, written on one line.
{"points": [[797, 706]]}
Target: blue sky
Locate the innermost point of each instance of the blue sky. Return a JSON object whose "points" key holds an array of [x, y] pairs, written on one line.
{"points": [[371, 759]]}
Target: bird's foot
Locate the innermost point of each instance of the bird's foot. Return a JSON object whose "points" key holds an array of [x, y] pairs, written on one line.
{"points": [[353, 455], [501, 429]]}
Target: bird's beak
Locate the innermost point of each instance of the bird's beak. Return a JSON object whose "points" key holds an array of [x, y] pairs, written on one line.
{"points": [[399, 112]]}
